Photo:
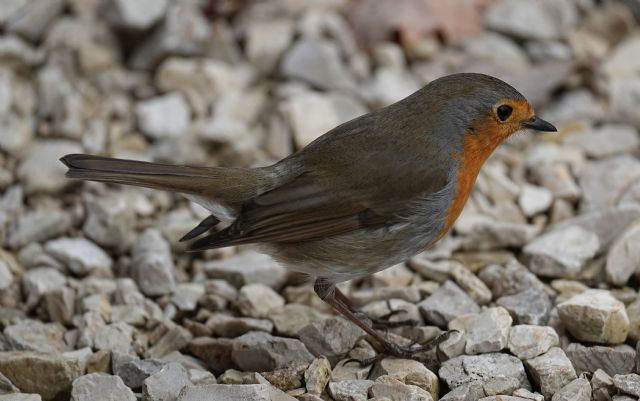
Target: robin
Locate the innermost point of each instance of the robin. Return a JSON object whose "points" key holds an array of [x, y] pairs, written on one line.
{"points": [[366, 195]]}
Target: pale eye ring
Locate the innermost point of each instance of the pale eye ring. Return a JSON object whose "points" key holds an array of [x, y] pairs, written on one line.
{"points": [[504, 111]]}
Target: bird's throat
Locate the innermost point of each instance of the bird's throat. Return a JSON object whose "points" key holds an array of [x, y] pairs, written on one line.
{"points": [[478, 145]]}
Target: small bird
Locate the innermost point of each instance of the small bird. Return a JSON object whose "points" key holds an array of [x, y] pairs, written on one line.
{"points": [[366, 195]]}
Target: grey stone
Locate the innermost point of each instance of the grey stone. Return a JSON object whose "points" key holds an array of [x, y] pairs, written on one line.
{"points": [[409, 372], [289, 378], [510, 279], [55, 373], [85, 357], [115, 336], [607, 140], [99, 387], [407, 312], [32, 21], [110, 221], [10, 8], [528, 395], [531, 306], [603, 182], [174, 339], [248, 267], [388, 85], [33, 335], [350, 390], [21, 397], [152, 264], [257, 300], [333, 337], [489, 370], [622, 99], [623, 258], [22, 132], [79, 254], [291, 318], [163, 116], [18, 53], [6, 276], [465, 392], [311, 114], [601, 380], [621, 62], [538, 21], [60, 304], [563, 252], [38, 226], [317, 375], [447, 303], [483, 232], [607, 223], [558, 179], [616, 360], [260, 352], [551, 371], [133, 15], [633, 313], [166, 384], [527, 342], [37, 282], [201, 377], [232, 376], [495, 48], [186, 295], [318, 62], [208, 81], [628, 384], [134, 372], [595, 316], [387, 387], [41, 171], [188, 361], [267, 40], [452, 346], [184, 31], [578, 104], [534, 200], [365, 296], [214, 352], [6, 387], [623, 398], [223, 325], [471, 284], [488, 331], [228, 392]]}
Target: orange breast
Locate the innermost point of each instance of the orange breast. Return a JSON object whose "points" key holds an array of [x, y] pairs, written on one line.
{"points": [[480, 141]]}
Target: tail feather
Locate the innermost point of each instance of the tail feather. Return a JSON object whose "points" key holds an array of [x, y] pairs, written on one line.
{"points": [[230, 185]]}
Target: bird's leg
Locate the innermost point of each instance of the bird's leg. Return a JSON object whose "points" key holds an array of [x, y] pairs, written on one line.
{"points": [[381, 322], [327, 292]]}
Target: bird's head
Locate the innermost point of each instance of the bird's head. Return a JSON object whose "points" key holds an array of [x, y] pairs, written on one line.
{"points": [[478, 111]]}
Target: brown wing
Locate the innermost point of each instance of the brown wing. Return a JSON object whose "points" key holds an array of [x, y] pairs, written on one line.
{"points": [[297, 211]]}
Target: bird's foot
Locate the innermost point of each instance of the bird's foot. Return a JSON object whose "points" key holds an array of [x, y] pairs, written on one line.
{"points": [[383, 322], [410, 351]]}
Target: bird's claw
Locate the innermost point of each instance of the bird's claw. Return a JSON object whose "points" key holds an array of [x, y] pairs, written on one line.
{"points": [[383, 322], [403, 352]]}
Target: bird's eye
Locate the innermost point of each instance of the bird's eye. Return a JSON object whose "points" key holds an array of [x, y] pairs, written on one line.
{"points": [[504, 112]]}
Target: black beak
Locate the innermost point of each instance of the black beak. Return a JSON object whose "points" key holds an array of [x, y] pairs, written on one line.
{"points": [[538, 124]]}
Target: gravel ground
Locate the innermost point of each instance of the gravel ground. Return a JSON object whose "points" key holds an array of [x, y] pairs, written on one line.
{"points": [[98, 301]]}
